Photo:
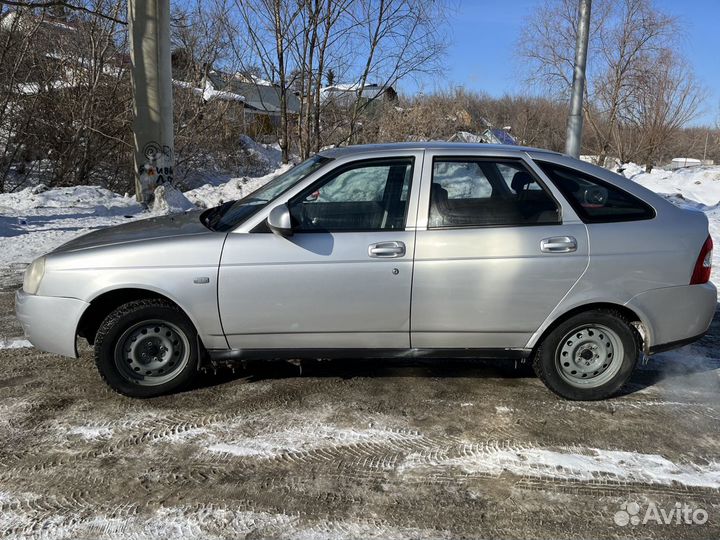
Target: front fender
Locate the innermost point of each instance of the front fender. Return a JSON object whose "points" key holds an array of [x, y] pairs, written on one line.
{"points": [[184, 270]]}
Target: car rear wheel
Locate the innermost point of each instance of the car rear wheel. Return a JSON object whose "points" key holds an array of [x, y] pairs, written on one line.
{"points": [[146, 348], [589, 356]]}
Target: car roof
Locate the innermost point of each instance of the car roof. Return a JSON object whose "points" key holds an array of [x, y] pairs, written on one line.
{"points": [[428, 145]]}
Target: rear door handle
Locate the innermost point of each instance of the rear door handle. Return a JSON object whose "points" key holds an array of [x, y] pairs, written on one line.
{"points": [[389, 250], [558, 244]]}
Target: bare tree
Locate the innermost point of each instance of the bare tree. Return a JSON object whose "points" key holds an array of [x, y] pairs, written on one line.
{"points": [[269, 29], [80, 6], [67, 95], [664, 96], [324, 24], [379, 41], [395, 39], [626, 36]]}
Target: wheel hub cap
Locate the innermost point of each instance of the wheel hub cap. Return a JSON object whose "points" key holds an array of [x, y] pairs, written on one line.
{"points": [[589, 355], [152, 352]]}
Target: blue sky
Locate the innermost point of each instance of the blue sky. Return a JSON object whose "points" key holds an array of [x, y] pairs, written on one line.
{"points": [[483, 34]]}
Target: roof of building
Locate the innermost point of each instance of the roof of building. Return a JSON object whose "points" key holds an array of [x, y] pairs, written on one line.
{"points": [[261, 97]]}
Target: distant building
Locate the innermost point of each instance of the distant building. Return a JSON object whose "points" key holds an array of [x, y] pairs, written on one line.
{"points": [[255, 101], [681, 162], [345, 95], [260, 98]]}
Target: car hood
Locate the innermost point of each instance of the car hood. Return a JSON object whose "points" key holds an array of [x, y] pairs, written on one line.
{"points": [[176, 225]]}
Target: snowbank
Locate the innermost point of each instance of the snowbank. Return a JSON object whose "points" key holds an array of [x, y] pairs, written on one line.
{"points": [[170, 200], [699, 184], [36, 220], [268, 156], [15, 343], [70, 197], [208, 195]]}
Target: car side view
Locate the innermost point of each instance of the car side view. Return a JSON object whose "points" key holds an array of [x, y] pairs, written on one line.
{"points": [[413, 250]]}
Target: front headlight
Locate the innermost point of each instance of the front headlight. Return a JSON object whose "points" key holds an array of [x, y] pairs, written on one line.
{"points": [[33, 275]]}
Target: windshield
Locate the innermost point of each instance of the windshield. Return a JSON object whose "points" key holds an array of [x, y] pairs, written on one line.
{"points": [[230, 214]]}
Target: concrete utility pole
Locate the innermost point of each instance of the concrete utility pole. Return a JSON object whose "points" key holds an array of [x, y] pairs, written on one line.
{"points": [[575, 120], [149, 29]]}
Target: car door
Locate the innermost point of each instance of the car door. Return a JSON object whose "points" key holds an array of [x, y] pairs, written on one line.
{"points": [[496, 251], [343, 279]]}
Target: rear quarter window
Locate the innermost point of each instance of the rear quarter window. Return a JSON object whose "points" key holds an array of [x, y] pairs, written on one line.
{"points": [[595, 200]]}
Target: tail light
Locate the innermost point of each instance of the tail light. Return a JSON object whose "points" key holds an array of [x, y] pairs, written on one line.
{"points": [[703, 266]]}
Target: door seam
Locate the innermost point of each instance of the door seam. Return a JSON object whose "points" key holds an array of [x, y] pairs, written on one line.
{"points": [[412, 267]]}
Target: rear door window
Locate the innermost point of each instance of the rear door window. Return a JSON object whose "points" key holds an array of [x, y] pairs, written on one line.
{"points": [[482, 192], [594, 200]]}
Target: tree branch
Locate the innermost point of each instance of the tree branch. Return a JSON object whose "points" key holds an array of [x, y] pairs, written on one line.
{"points": [[53, 3]]}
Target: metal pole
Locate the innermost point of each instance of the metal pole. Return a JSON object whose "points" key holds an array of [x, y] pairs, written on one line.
{"points": [[707, 136], [575, 120], [149, 29]]}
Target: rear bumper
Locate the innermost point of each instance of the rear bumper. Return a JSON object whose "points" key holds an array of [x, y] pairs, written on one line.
{"points": [[675, 344], [675, 316], [50, 322]]}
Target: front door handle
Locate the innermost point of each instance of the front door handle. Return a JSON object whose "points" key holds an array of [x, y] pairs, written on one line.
{"points": [[388, 250], [558, 244]]}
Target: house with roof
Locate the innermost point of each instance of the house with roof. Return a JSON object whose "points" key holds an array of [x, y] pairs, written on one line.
{"points": [[346, 94], [260, 99], [255, 102]]}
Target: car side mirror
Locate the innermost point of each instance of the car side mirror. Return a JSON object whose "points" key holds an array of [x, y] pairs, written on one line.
{"points": [[279, 220]]}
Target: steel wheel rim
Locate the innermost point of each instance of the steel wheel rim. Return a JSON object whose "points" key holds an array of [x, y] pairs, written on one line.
{"points": [[152, 352], [589, 356]]}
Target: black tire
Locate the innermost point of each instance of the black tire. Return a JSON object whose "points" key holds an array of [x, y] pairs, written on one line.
{"points": [[549, 363], [134, 317]]}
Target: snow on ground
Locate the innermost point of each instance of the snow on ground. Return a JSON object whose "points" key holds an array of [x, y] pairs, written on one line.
{"points": [[36, 220], [697, 184], [15, 343], [583, 464], [576, 463], [91, 432], [311, 436], [209, 195], [170, 200]]}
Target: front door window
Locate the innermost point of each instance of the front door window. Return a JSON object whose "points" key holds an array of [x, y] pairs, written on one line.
{"points": [[368, 196]]}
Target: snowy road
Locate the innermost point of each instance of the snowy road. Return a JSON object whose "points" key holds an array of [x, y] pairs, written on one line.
{"points": [[356, 449]]}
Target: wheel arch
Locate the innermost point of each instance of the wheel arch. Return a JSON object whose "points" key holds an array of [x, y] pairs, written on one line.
{"points": [[101, 305], [551, 323]]}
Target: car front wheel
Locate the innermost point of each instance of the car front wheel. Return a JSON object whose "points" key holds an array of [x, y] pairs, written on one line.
{"points": [[590, 356], [146, 348]]}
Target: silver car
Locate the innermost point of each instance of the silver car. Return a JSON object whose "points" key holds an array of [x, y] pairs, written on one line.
{"points": [[402, 250]]}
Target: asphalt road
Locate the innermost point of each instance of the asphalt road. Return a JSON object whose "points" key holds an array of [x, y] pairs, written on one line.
{"points": [[357, 449]]}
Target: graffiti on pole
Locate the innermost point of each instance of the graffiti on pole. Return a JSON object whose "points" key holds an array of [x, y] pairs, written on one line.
{"points": [[156, 170]]}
